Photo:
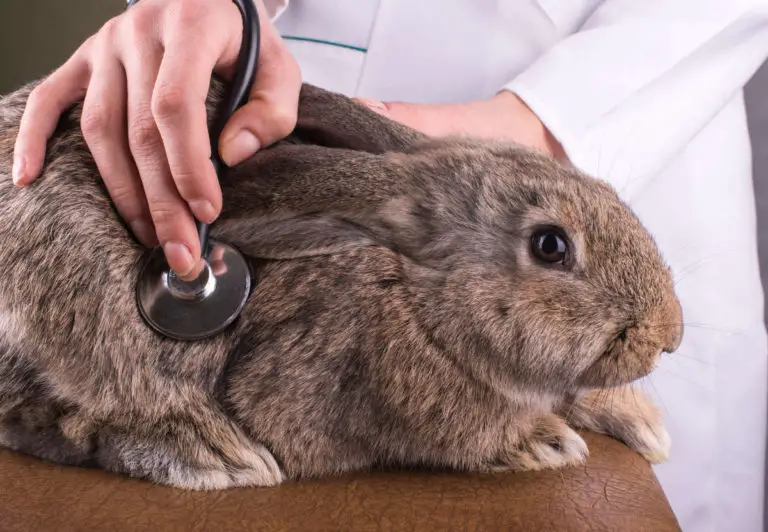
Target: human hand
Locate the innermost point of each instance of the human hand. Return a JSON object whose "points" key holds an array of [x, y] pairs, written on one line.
{"points": [[504, 116], [145, 77]]}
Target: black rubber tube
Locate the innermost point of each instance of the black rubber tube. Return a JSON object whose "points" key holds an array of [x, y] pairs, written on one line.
{"points": [[239, 89]]}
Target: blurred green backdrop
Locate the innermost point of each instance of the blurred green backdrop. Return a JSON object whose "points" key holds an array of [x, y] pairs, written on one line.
{"points": [[36, 36]]}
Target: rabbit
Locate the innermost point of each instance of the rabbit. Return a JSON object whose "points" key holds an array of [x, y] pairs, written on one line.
{"points": [[450, 303]]}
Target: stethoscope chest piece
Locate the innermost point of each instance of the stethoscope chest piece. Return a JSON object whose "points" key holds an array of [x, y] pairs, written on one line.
{"points": [[193, 310]]}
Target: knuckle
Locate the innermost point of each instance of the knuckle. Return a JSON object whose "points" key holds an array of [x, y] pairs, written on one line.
{"points": [[42, 93], [95, 122], [108, 29], [168, 101], [143, 134], [126, 198], [284, 120], [139, 22], [85, 49], [294, 72], [187, 183], [121, 191], [276, 52], [103, 39], [289, 63], [166, 216]]}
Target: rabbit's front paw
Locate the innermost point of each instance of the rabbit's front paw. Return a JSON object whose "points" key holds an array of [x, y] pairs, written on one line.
{"points": [[649, 438], [551, 445], [628, 415]]}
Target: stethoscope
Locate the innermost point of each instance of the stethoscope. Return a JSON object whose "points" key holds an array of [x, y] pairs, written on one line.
{"points": [[206, 306]]}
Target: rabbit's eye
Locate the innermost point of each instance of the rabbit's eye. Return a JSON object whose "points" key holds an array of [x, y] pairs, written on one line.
{"points": [[549, 246]]}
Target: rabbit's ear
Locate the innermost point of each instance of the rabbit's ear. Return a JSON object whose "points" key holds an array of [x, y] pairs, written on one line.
{"points": [[400, 224], [335, 121], [299, 236]]}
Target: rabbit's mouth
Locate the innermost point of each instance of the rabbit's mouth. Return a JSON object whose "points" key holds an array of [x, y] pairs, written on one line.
{"points": [[625, 358]]}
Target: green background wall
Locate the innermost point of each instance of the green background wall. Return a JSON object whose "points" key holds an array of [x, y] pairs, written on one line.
{"points": [[36, 36]]}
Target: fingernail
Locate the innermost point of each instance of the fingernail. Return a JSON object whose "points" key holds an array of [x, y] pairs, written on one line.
{"points": [[242, 146], [19, 165], [203, 210], [179, 254], [144, 232]]}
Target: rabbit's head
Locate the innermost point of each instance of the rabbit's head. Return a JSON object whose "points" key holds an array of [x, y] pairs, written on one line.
{"points": [[530, 272], [540, 267]]}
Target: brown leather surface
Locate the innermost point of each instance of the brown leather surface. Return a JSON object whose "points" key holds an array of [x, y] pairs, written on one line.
{"points": [[615, 491]]}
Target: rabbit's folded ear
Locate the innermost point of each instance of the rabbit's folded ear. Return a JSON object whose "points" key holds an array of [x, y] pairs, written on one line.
{"points": [[399, 224], [304, 235], [336, 121]]}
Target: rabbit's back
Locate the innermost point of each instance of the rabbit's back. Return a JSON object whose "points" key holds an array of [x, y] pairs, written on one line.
{"points": [[68, 260]]}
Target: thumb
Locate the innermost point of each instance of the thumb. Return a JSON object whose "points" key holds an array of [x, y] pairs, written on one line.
{"points": [[272, 109], [259, 123], [242, 137]]}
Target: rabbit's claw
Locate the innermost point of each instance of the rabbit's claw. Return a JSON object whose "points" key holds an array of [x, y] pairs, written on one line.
{"points": [[551, 445]]}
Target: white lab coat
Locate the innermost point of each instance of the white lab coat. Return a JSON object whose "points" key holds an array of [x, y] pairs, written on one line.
{"points": [[645, 94]]}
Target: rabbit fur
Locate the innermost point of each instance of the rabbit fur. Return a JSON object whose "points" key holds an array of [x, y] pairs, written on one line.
{"points": [[398, 317]]}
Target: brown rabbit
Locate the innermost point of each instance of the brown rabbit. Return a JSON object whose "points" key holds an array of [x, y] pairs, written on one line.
{"points": [[417, 302]]}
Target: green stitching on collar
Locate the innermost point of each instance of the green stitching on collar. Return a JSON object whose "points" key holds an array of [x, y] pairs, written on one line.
{"points": [[329, 43]]}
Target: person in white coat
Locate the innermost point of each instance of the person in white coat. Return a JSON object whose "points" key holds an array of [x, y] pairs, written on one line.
{"points": [[645, 95]]}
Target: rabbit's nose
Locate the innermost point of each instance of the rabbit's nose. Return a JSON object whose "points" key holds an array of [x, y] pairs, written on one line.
{"points": [[675, 339], [674, 329]]}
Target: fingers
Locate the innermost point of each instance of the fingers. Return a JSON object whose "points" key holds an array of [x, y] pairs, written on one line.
{"points": [[104, 124], [174, 224], [431, 119], [148, 72], [216, 261], [178, 106], [271, 112], [45, 105], [377, 106]]}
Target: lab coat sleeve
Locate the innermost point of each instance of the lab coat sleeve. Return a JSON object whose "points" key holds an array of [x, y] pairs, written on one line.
{"points": [[635, 83]]}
